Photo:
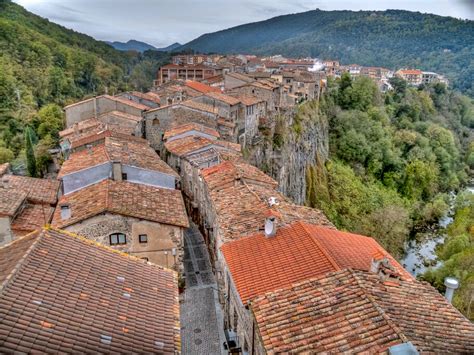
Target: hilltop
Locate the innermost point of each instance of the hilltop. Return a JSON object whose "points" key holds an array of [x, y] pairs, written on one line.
{"points": [[392, 38]]}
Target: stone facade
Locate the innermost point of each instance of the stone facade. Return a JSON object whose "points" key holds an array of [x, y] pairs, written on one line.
{"points": [[164, 244], [160, 120]]}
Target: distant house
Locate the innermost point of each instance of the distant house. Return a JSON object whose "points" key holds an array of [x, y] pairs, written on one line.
{"points": [[96, 106], [194, 72], [412, 76], [61, 293]]}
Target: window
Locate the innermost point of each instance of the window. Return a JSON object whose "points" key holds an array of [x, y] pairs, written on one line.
{"points": [[156, 122], [124, 176], [117, 239], [143, 238]]}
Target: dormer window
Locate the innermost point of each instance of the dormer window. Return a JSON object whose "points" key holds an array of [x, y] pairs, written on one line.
{"points": [[117, 239], [65, 212]]}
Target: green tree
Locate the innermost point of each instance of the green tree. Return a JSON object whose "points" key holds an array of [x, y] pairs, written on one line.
{"points": [[30, 154], [6, 155]]}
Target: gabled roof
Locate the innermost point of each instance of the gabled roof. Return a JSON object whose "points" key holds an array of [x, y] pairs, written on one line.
{"points": [[355, 312], [37, 190], [32, 217], [248, 100], [125, 198], [241, 77], [113, 98], [79, 128], [189, 144], [198, 106], [410, 71], [202, 88], [122, 115], [128, 150], [239, 194], [223, 98], [299, 251], [11, 201], [63, 293], [175, 131]]}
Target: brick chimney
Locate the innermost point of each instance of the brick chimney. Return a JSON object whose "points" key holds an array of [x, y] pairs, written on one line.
{"points": [[116, 171]]}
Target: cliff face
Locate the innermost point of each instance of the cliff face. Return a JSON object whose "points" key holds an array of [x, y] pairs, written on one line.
{"points": [[292, 142]]}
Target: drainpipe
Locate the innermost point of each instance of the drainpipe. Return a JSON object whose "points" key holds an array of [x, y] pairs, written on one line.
{"points": [[451, 284]]}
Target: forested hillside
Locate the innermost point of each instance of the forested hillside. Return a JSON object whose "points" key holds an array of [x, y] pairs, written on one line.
{"points": [[392, 39], [44, 66], [393, 160]]}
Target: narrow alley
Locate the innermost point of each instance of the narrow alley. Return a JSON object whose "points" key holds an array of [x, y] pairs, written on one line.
{"points": [[201, 314]]}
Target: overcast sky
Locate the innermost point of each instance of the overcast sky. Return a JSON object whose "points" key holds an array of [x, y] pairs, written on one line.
{"points": [[162, 22]]}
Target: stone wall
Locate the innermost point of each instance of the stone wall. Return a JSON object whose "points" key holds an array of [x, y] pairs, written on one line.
{"points": [[163, 240]]}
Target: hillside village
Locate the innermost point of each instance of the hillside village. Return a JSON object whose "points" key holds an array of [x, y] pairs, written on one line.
{"points": [[157, 235]]}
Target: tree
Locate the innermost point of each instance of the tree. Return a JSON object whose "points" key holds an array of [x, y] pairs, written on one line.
{"points": [[30, 154], [6, 155]]}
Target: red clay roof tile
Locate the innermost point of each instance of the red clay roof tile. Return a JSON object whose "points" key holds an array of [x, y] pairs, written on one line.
{"points": [[63, 293]]}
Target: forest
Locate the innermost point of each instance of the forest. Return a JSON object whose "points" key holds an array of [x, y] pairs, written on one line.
{"points": [[393, 39], [44, 66], [394, 158]]}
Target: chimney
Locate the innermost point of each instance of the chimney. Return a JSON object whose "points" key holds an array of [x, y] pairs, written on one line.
{"points": [[5, 182], [75, 127], [451, 284], [65, 211], [272, 201], [116, 171], [270, 226]]}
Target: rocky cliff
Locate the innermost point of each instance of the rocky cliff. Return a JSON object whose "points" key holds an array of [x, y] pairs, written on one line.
{"points": [[291, 142]]}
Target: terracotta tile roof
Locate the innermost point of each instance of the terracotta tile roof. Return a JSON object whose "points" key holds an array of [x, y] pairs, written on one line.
{"points": [[146, 96], [354, 312], [128, 102], [86, 126], [199, 106], [90, 138], [239, 194], [119, 114], [241, 77], [248, 100], [190, 127], [32, 217], [4, 168], [135, 200], [224, 98], [128, 150], [202, 88], [324, 246], [37, 190], [189, 144], [67, 294], [259, 264], [154, 95], [11, 201], [410, 72]]}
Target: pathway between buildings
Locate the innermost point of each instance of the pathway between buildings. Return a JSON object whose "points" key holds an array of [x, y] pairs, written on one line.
{"points": [[201, 314]]}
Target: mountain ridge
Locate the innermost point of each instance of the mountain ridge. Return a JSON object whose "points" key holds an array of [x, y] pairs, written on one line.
{"points": [[391, 38], [138, 46]]}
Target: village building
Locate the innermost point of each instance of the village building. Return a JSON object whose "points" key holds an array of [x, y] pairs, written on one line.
{"points": [[215, 82], [265, 89], [322, 259], [412, 76], [146, 99], [142, 220], [162, 119], [357, 311], [194, 72], [432, 78], [96, 106], [119, 158], [61, 293], [26, 204], [233, 80]]}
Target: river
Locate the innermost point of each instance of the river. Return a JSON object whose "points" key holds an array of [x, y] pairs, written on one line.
{"points": [[420, 253]]}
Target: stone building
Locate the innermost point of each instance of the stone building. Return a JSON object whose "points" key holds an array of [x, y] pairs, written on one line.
{"points": [[268, 90], [142, 220], [26, 204], [96, 106], [61, 293], [120, 158], [159, 120], [194, 72]]}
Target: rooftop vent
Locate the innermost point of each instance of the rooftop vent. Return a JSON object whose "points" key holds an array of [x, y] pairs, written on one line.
{"points": [[160, 345], [403, 349], [270, 226], [106, 339], [65, 212], [451, 284], [120, 278]]}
